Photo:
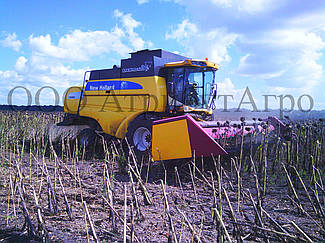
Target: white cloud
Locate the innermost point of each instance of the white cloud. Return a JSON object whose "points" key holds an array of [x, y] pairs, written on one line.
{"points": [[290, 54], [11, 42], [79, 45], [223, 3], [254, 6], [129, 24], [52, 63], [142, 1], [242, 6], [82, 46], [213, 44], [281, 44], [183, 30], [43, 70], [20, 65], [37, 72], [9, 76], [227, 87]]}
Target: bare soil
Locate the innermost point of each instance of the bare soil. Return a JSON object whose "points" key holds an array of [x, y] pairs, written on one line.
{"points": [[196, 202]]}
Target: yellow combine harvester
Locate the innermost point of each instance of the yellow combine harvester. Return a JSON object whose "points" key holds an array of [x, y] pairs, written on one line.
{"points": [[159, 101]]}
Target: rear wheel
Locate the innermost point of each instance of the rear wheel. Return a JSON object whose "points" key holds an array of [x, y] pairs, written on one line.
{"points": [[139, 136]]}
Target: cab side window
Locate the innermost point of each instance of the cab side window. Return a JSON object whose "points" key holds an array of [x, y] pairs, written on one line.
{"points": [[175, 84]]}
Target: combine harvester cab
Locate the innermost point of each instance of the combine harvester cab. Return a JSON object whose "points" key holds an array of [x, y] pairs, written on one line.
{"points": [[160, 102]]}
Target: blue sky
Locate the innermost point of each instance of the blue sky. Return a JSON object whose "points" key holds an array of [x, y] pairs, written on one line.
{"points": [[273, 47]]}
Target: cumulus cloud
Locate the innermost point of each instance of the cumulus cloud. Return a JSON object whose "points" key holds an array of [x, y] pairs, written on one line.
{"points": [[223, 3], [52, 63], [279, 45], [254, 6], [213, 44], [79, 45], [227, 87], [82, 46], [20, 65], [37, 72], [11, 42], [284, 57], [184, 30], [248, 6], [40, 71], [129, 24], [9, 75], [142, 1]]}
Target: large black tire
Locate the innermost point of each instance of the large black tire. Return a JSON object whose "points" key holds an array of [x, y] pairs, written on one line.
{"points": [[139, 136]]}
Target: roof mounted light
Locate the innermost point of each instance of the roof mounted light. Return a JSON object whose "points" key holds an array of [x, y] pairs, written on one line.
{"points": [[198, 63]]}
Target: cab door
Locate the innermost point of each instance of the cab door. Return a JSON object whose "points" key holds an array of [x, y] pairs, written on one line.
{"points": [[175, 87]]}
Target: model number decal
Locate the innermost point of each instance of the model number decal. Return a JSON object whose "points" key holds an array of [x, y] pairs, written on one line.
{"points": [[143, 68]]}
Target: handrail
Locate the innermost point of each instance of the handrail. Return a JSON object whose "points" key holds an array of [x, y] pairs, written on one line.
{"points": [[82, 91]]}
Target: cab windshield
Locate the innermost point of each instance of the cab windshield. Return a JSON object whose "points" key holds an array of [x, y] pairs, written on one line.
{"points": [[189, 86], [198, 83]]}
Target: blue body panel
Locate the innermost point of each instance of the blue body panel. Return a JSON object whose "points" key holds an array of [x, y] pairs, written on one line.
{"points": [[111, 85]]}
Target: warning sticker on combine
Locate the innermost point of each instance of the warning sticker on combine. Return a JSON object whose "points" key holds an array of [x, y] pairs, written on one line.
{"points": [[74, 96]]}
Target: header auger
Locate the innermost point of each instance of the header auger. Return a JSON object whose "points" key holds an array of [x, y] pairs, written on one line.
{"points": [[162, 104]]}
